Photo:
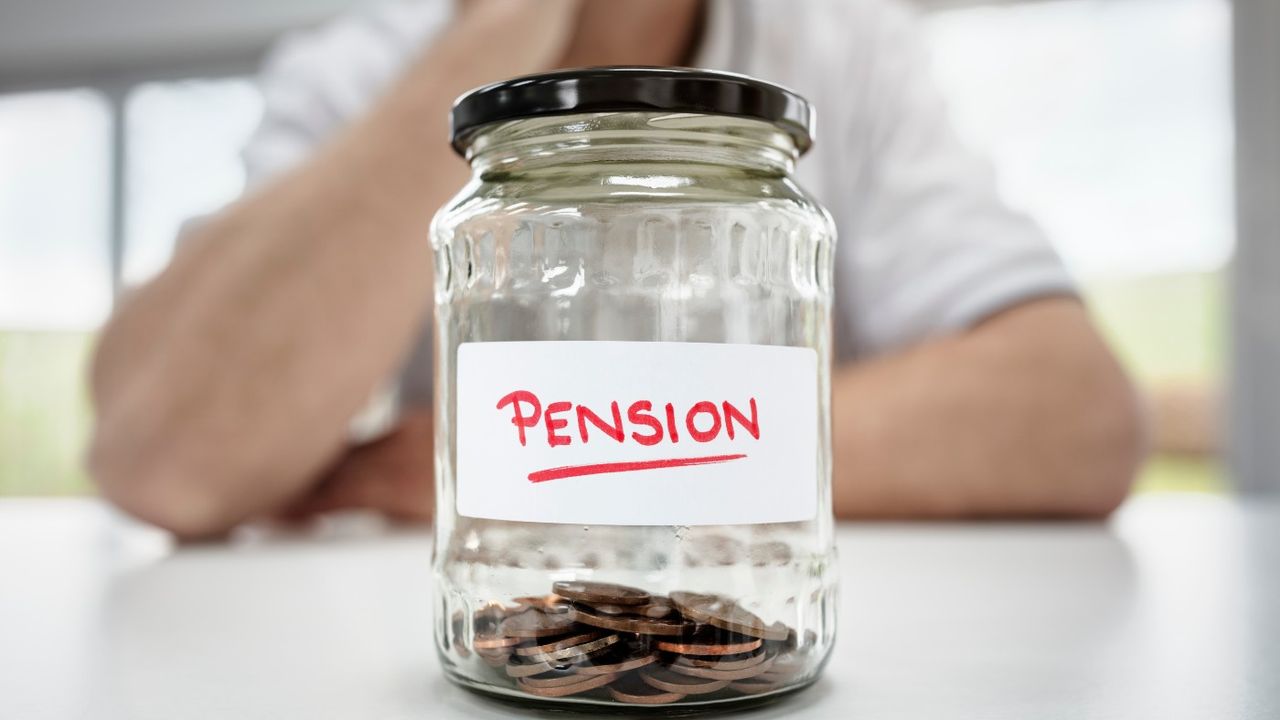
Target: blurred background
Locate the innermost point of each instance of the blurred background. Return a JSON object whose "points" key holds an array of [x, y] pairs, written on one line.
{"points": [[1122, 125]]}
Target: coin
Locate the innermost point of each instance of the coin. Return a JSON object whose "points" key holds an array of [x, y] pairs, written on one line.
{"points": [[630, 623], [721, 662], [599, 592], [552, 679], [697, 606], [496, 658], [656, 608], [642, 648], [743, 621], [568, 654], [493, 642], [607, 609], [589, 683], [556, 644], [630, 689], [518, 667], [533, 623], [676, 683], [735, 674], [725, 614], [697, 648], [622, 666]]}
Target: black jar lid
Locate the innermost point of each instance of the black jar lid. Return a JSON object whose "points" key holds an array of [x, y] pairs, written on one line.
{"points": [[639, 89]]}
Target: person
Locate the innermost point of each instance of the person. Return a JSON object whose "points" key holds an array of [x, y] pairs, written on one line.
{"points": [[969, 380]]}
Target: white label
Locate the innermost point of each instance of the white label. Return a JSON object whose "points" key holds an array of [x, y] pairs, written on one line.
{"points": [[637, 433]]}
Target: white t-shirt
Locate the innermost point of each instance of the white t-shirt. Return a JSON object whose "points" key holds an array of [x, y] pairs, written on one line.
{"points": [[925, 245]]}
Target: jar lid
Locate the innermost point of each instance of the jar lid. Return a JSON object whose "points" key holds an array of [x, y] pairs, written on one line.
{"points": [[636, 89]]}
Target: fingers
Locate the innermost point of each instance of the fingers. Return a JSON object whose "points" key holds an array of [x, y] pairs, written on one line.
{"points": [[393, 476]]}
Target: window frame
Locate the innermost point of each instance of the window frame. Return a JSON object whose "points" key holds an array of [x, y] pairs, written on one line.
{"points": [[115, 87], [1254, 399]]}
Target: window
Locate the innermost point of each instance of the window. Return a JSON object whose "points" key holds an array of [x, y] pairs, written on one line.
{"points": [[184, 140], [55, 281], [1110, 121], [180, 155], [54, 205]]}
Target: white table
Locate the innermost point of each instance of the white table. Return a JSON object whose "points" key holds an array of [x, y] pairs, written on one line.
{"points": [[1172, 610]]}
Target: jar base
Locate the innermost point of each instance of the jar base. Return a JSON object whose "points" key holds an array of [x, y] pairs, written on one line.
{"points": [[588, 704]]}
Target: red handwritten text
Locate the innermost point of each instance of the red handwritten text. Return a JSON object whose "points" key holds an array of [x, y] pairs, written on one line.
{"points": [[703, 421]]}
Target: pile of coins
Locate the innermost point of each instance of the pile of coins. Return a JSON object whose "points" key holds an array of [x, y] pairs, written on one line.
{"points": [[623, 643]]}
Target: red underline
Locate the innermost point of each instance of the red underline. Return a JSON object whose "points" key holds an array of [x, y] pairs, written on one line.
{"points": [[616, 467]]}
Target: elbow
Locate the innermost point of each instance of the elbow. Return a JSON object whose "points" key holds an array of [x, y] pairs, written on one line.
{"points": [[156, 487], [1113, 443]]}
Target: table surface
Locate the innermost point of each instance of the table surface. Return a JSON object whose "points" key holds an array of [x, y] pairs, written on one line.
{"points": [[1170, 610]]}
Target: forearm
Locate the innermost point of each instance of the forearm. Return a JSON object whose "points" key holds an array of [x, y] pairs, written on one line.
{"points": [[1027, 414], [225, 385]]}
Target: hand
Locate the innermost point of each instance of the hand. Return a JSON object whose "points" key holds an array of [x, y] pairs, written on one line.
{"points": [[515, 37], [393, 475]]}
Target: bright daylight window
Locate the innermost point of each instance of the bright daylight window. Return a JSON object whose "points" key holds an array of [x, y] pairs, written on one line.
{"points": [[55, 282], [1110, 121], [182, 145], [54, 174]]}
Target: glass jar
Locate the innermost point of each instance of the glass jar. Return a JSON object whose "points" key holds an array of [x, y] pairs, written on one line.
{"points": [[633, 476]]}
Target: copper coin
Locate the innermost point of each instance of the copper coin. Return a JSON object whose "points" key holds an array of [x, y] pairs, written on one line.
{"points": [[599, 592], [631, 690], [614, 668], [534, 623], [745, 622], [606, 609], [630, 623], [518, 668], [695, 648], [737, 674], [589, 683], [570, 653], [556, 644], [493, 642], [650, 610], [608, 668], [551, 603], [551, 679], [502, 652], [698, 606], [676, 683], [726, 614], [658, 607], [722, 662]]}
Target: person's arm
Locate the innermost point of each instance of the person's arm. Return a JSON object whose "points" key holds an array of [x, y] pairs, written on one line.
{"points": [[1026, 414], [224, 387], [972, 382]]}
